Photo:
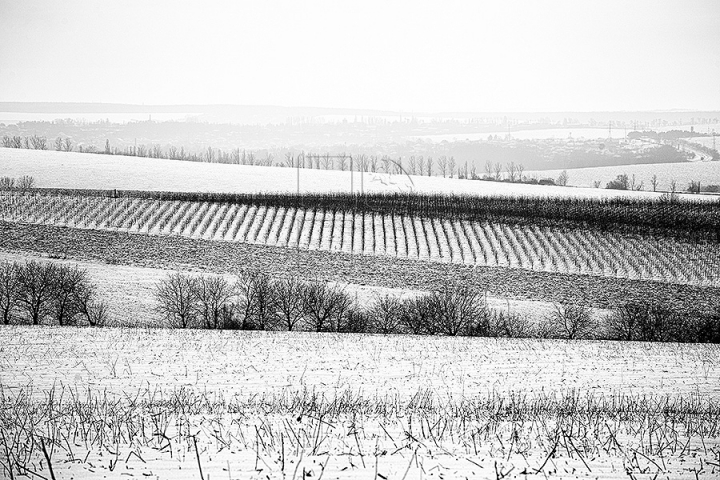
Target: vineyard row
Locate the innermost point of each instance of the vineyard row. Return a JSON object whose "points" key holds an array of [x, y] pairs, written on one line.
{"points": [[527, 246], [695, 219]]}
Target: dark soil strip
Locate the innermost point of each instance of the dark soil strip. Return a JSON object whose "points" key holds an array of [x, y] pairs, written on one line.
{"points": [[218, 256]]}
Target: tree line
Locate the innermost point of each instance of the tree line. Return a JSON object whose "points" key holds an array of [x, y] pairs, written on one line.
{"points": [[258, 302], [443, 165], [44, 292]]}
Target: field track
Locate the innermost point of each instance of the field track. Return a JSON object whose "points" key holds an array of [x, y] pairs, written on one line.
{"points": [[540, 248]]}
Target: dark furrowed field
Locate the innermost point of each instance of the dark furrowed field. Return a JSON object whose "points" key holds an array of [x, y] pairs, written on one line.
{"points": [[229, 257]]}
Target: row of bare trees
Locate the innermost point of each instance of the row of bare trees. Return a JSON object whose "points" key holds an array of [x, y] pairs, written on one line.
{"points": [[255, 302], [33, 142], [48, 293], [258, 302], [24, 183], [414, 165]]}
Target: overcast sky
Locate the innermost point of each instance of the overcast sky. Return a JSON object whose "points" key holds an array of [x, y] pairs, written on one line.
{"points": [[411, 56]]}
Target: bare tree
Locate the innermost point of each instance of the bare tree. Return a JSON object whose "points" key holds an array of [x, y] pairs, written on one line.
{"points": [[455, 309], [342, 162], [386, 315], [327, 162], [498, 170], [38, 143], [429, 165], [172, 152], [177, 300], [385, 162], [569, 321], [451, 167], [25, 183], [443, 165], [94, 310], [373, 163], [489, 169], [7, 183], [362, 162], [290, 303], [563, 178], [520, 169], [412, 164], [511, 171], [66, 283], [59, 144], [421, 165], [68, 146], [9, 291], [654, 182], [35, 289], [634, 185], [259, 301], [209, 155], [214, 297], [418, 315], [325, 306]]}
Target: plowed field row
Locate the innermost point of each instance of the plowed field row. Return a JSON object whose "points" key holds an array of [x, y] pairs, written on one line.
{"points": [[538, 248]]}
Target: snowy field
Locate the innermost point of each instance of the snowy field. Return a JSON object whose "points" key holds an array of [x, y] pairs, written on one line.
{"points": [[708, 173], [196, 404], [93, 171]]}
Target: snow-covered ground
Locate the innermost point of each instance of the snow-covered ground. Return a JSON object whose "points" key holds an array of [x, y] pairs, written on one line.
{"points": [[707, 173], [170, 404], [94, 171]]}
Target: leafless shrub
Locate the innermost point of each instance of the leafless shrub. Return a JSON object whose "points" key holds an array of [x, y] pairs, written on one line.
{"points": [[7, 183], [386, 315], [176, 298], [510, 325], [25, 183], [290, 304], [36, 289], [38, 143], [454, 309], [648, 322], [355, 320], [9, 291], [214, 297], [66, 285], [258, 301], [417, 315], [705, 328], [325, 307], [569, 321]]}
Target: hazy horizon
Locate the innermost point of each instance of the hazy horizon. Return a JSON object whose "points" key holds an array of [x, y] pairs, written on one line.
{"points": [[483, 57]]}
